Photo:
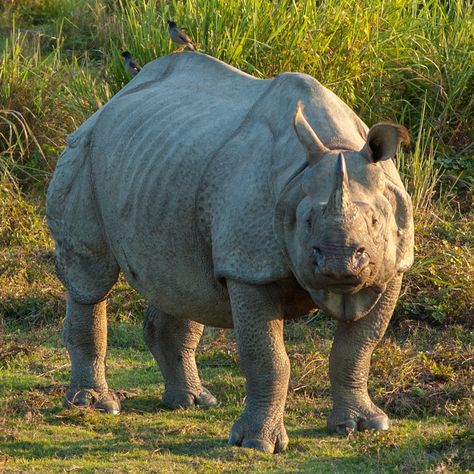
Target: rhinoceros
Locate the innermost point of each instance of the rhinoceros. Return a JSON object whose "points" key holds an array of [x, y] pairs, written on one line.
{"points": [[231, 201]]}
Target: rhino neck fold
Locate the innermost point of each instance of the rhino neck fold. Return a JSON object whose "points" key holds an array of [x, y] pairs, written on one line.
{"points": [[346, 307], [287, 201]]}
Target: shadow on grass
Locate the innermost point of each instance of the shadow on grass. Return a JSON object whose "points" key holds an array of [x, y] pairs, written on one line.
{"points": [[32, 310], [150, 404], [200, 434], [119, 440], [66, 449], [308, 433]]}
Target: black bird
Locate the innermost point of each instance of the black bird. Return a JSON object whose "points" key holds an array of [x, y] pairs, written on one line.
{"points": [[180, 37], [130, 64]]}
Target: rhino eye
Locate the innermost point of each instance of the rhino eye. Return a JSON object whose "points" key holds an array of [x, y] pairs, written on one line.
{"points": [[308, 223], [375, 221]]}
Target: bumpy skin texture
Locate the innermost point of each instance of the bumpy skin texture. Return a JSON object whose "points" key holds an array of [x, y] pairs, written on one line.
{"points": [[349, 365], [85, 336], [224, 207], [173, 343], [258, 323]]}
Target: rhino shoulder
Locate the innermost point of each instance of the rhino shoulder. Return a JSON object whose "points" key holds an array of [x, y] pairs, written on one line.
{"points": [[237, 197], [239, 204]]}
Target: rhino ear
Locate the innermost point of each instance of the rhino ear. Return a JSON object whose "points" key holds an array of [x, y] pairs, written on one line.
{"points": [[307, 136], [384, 139]]}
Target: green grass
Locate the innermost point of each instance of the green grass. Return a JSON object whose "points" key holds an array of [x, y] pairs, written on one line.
{"points": [[406, 61], [429, 404]]}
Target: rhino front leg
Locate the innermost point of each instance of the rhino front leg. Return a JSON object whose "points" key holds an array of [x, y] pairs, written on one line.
{"points": [[349, 366], [173, 343], [258, 323], [85, 336]]}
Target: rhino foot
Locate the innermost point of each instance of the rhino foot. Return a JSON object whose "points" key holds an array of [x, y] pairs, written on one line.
{"points": [[175, 399], [267, 435], [345, 421], [106, 401]]}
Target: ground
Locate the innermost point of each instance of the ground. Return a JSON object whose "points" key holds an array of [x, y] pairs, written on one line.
{"points": [[421, 376]]}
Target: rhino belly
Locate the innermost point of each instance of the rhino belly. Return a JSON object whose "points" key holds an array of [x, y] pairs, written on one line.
{"points": [[176, 278], [147, 198], [155, 240]]}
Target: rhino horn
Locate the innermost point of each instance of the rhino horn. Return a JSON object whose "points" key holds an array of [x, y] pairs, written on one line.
{"points": [[339, 201], [314, 147]]}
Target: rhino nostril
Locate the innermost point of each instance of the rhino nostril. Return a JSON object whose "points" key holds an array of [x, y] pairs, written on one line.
{"points": [[360, 258], [318, 257]]}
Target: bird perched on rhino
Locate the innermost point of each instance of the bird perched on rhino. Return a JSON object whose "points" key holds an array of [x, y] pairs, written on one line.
{"points": [[180, 37], [131, 65]]}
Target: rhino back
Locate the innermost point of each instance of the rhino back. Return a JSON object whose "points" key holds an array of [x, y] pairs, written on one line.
{"points": [[150, 150]]}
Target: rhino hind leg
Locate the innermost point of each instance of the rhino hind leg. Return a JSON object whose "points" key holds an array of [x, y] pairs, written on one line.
{"points": [[173, 342], [88, 270], [85, 336], [349, 365]]}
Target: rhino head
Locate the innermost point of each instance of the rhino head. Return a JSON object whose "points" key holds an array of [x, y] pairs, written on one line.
{"points": [[353, 229]]}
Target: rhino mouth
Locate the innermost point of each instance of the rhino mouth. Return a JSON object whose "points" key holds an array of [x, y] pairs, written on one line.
{"points": [[351, 287], [345, 288], [343, 278], [348, 285]]}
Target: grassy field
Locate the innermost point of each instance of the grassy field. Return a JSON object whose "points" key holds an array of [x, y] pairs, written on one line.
{"points": [[411, 62]]}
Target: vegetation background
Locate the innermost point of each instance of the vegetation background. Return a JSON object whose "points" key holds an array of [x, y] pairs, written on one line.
{"points": [[409, 61]]}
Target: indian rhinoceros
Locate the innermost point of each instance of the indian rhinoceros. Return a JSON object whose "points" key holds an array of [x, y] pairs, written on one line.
{"points": [[223, 203]]}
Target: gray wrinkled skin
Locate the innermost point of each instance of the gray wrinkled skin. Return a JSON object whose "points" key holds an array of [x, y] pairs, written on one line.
{"points": [[223, 206]]}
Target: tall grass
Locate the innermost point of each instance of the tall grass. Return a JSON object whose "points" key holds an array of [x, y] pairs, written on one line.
{"points": [[419, 171], [404, 61], [27, 108]]}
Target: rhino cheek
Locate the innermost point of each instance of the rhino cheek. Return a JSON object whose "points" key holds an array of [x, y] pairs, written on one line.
{"points": [[387, 262], [299, 247], [305, 269]]}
